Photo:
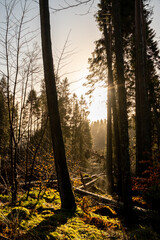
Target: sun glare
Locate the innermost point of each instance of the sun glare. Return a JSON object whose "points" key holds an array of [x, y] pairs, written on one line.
{"points": [[97, 104], [98, 108]]}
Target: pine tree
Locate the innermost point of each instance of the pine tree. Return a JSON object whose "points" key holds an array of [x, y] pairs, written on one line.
{"points": [[64, 104], [143, 114], [123, 119]]}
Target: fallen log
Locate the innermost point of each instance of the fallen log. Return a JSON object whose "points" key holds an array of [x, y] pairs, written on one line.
{"points": [[87, 178], [85, 185], [151, 215], [100, 198]]}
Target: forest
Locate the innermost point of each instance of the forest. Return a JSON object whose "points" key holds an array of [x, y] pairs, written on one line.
{"points": [[61, 175]]}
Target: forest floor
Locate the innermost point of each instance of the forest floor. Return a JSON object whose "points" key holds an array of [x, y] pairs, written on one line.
{"points": [[41, 218]]}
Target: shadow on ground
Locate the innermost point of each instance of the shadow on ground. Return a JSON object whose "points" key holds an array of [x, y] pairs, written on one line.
{"points": [[48, 225]]}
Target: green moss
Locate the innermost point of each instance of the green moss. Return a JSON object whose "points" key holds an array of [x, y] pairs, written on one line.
{"points": [[30, 203], [47, 212], [77, 229], [52, 196], [4, 198], [19, 212], [44, 220], [33, 195], [54, 236]]}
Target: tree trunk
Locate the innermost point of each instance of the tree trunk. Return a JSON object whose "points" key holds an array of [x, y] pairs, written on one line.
{"points": [[64, 184], [124, 139], [109, 157], [109, 162], [143, 116], [107, 31]]}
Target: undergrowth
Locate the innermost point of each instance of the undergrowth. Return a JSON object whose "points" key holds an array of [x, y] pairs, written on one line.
{"points": [[42, 219]]}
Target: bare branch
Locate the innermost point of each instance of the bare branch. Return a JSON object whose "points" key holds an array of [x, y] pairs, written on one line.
{"points": [[62, 53], [67, 5]]}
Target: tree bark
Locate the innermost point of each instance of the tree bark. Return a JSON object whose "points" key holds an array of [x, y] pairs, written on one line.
{"points": [[143, 115], [107, 31], [109, 160], [64, 184], [123, 118]]}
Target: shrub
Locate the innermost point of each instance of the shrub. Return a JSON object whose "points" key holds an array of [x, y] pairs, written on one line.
{"points": [[148, 186]]}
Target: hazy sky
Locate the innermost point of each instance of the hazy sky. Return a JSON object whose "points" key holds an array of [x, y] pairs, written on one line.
{"points": [[83, 32]]}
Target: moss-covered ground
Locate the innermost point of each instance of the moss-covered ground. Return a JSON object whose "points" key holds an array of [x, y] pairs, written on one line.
{"points": [[42, 219]]}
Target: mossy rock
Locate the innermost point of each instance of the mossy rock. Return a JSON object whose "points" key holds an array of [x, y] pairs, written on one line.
{"points": [[19, 212]]}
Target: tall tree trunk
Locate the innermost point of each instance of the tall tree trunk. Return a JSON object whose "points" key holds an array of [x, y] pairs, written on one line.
{"points": [[109, 162], [143, 116], [124, 139], [107, 32], [64, 184], [109, 115]]}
